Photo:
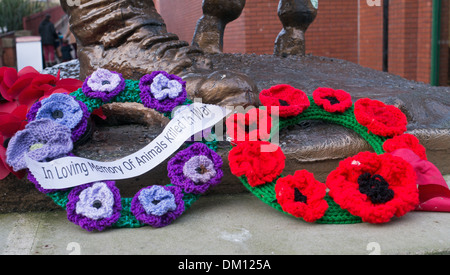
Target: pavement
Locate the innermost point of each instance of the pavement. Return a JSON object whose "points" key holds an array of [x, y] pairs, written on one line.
{"points": [[223, 224]]}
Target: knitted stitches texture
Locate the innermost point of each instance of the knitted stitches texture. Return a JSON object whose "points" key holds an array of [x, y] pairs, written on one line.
{"points": [[104, 85], [89, 223], [41, 140], [97, 206], [78, 130], [334, 214], [179, 178]]}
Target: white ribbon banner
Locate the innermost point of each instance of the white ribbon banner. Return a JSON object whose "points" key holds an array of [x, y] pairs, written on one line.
{"points": [[69, 172]]}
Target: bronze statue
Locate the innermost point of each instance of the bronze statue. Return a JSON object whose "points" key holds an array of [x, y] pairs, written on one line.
{"points": [[130, 37], [295, 15]]}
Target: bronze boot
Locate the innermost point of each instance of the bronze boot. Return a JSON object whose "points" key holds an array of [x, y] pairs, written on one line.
{"points": [[296, 16], [130, 37], [210, 27]]}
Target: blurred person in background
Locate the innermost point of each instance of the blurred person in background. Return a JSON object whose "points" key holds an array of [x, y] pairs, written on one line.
{"points": [[72, 41], [48, 37], [66, 51]]}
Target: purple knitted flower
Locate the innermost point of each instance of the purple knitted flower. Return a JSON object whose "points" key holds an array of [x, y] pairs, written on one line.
{"points": [[94, 206], [103, 84], [41, 140], [196, 169], [158, 206], [63, 109], [162, 91]]}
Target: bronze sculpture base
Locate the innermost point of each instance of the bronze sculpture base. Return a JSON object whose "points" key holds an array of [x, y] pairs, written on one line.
{"points": [[317, 148]]}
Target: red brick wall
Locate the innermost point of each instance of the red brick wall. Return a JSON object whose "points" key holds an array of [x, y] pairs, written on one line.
{"points": [[331, 34], [180, 16], [334, 32], [424, 41], [371, 36], [343, 29], [32, 22], [261, 26], [235, 38]]}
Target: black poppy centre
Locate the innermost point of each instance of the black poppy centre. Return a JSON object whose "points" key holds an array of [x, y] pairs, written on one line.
{"points": [[155, 202], [57, 114], [333, 100], [375, 187], [299, 197], [283, 102], [97, 204]]}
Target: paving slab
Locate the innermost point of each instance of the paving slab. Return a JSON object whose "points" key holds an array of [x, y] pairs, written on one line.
{"points": [[223, 224]]}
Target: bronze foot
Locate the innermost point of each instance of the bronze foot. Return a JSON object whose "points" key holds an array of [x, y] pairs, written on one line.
{"points": [[210, 27], [296, 16]]}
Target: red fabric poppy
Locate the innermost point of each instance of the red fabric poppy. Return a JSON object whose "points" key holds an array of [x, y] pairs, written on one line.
{"points": [[12, 122], [333, 101], [405, 141], [288, 100], [259, 161], [44, 85], [374, 187], [12, 83], [8, 77], [255, 125], [5, 169], [302, 196], [379, 118]]}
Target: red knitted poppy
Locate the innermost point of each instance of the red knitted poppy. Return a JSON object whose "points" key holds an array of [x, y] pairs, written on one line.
{"points": [[333, 101], [255, 125], [379, 118], [290, 101], [374, 203], [406, 141], [302, 196], [259, 161]]}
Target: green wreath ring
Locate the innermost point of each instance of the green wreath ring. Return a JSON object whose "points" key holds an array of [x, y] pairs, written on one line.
{"points": [[58, 123], [369, 187]]}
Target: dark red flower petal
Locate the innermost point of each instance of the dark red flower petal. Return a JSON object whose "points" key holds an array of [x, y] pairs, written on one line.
{"points": [[27, 70], [19, 86], [8, 77], [4, 170], [29, 96], [11, 123], [333, 101], [8, 106], [379, 118], [405, 141], [302, 196], [69, 84], [345, 186], [255, 125], [260, 161], [288, 100]]}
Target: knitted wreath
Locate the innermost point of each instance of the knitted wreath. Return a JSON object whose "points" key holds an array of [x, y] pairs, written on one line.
{"points": [[59, 121], [369, 187]]}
